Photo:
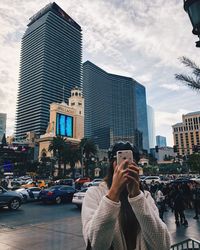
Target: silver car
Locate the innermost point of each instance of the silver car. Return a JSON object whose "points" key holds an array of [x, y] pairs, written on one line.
{"points": [[10, 199], [29, 194]]}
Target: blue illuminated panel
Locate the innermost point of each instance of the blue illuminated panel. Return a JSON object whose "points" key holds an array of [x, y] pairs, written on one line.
{"points": [[64, 125]]}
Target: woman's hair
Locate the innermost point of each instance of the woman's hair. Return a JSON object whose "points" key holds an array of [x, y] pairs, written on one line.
{"points": [[127, 218], [112, 151]]}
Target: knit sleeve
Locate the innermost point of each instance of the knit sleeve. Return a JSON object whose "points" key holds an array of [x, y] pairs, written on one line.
{"points": [[153, 229], [99, 215]]}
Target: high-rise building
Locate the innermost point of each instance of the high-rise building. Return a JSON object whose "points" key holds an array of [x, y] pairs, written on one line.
{"points": [[151, 126], [115, 108], [161, 141], [187, 133], [3, 118], [50, 66]]}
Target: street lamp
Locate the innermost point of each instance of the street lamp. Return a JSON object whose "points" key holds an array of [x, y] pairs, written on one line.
{"points": [[192, 7]]}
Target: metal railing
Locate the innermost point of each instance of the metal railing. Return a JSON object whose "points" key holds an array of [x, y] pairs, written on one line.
{"points": [[189, 244]]}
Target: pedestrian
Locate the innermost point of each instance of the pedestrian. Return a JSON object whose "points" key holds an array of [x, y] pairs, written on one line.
{"points": [[179, 207], [118, 215], [153, 188], [196, 200], [160, 201]]}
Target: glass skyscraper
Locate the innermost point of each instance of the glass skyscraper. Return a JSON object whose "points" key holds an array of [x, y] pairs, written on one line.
{"points": [[151, 126], [51, 63], [161, 141], [115, 108]]}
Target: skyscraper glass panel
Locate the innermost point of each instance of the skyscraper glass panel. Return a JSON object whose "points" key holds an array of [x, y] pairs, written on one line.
{"points": [[51, 56], [112, 108]]}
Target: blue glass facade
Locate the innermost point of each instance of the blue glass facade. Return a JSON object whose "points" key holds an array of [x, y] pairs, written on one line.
{"points": [[161, 141], [51, 57], [115, 108]]}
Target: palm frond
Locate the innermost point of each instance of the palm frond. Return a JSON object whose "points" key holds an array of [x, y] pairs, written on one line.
{"points": [[189, 81], [191, 64]]}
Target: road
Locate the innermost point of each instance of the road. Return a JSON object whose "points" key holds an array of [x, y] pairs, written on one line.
{"points": [[58, 227], [39, 226]]}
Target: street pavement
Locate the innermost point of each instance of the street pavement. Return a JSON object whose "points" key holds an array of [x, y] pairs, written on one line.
{"points": [[58, 227]]}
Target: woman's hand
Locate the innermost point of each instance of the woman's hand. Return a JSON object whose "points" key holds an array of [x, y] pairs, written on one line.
{"points": [[133, 185], [119, 180]]}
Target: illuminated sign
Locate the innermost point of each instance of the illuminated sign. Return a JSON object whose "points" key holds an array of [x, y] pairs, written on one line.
{"points": [[64, 125]]}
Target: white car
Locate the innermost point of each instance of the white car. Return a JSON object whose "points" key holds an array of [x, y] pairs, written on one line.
{"points": [[78, 197], [29, 194], [149, 179], [197, 179], [95, 182]]}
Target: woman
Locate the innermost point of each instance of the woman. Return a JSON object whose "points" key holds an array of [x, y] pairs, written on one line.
{"points": [[160, 201], [118, 215]]}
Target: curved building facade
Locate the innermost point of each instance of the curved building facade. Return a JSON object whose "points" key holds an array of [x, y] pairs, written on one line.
{"points": [[115, 108], [51, 62]]}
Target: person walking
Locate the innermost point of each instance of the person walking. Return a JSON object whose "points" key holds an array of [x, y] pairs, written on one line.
{"points": [[179, 207], [160, 201], [196, 199], [118, 215]]}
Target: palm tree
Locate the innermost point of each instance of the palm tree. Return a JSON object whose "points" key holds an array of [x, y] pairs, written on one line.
{"points": [[71, 155], [191, 81], [88, 148], [57, 146]]}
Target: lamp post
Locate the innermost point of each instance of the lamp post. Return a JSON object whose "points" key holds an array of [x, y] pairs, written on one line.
{"points": [[192, 7]]}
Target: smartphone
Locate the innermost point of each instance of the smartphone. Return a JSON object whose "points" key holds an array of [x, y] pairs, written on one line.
{"points": [[124, 155]]}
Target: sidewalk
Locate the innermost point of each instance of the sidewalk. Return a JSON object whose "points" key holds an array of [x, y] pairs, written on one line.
{"points": [[182, 233], [67, 234]]}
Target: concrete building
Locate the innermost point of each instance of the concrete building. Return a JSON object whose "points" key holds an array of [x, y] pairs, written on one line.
{"points": [[187, 133], [51, 60], [3, 118], [151, 126], [115, 108], [161, 141], [66, 120], [164, 155]]}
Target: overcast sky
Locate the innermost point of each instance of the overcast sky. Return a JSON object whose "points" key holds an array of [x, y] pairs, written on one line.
{"points": [[140, 39]]}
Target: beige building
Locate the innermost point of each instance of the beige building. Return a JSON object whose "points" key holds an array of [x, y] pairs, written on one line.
{"points": [[186, 134], [66, 120]]}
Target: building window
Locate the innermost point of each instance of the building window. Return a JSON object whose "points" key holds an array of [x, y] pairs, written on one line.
{"points": [[79, 103], [73, 103]]}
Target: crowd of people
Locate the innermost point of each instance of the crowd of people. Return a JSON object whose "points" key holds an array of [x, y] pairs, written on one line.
{"points": [[177, 197]]}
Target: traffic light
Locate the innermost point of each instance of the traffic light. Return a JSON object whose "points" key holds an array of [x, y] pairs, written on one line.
{"points": [[156, 147], [175, 149]]}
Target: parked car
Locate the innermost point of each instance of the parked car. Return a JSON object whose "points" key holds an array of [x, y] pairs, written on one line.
{"points": [[164, 179], [29, 194], [57, 194], [82, 180], [10, 199], [78, 197], [197, 179], [95, 182], [69, 182], [149, 179], [29, 184], [41, 183]]}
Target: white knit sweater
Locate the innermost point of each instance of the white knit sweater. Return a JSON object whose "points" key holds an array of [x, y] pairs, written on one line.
{"points": [[101, 225]]}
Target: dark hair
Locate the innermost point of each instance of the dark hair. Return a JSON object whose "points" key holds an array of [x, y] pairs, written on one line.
{"points": [[112, 151]]}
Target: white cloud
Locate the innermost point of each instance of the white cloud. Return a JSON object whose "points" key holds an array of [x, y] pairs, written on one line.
{"points": [[140, 39]]}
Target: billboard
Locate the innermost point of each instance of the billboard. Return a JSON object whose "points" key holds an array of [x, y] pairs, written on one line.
{"points": [[64, 125]]}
